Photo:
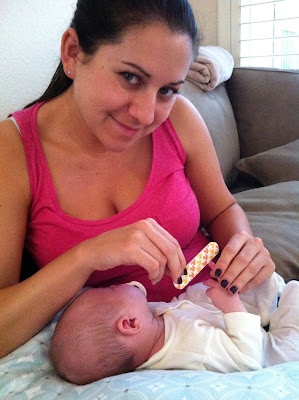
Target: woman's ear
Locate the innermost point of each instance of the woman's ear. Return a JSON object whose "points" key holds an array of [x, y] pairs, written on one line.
{"points": [[129, 326], [70, 50]]}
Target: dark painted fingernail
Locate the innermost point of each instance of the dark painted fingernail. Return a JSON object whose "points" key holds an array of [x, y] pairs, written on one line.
{"points": [[224, 283], [233, 289], [218, 272], [185, 271], [157, 283], [180, 280]]}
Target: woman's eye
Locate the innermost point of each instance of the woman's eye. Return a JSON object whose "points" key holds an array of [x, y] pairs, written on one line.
{"points": [[168, 91], [129, 77]]}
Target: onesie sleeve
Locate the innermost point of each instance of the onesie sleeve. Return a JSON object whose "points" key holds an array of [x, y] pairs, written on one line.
{"points": [[240, 344], [244, 330]]}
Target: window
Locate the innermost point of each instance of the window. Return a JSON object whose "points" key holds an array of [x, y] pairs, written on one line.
{"points": [[262, 33]]}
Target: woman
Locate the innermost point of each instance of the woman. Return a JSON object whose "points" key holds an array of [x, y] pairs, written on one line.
{"points": [[114, 171]]}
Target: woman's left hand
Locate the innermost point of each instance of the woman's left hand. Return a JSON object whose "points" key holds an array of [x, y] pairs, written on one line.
{"points": [[244, 263]]}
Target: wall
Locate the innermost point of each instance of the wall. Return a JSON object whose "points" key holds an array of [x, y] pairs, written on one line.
{"points": [[28, 29], [206, 13]]}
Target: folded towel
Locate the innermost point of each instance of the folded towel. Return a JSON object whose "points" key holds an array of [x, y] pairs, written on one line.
{"points": [[212, 66]]}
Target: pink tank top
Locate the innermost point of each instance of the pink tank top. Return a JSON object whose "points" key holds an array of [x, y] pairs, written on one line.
{"points": [[167, 197]]}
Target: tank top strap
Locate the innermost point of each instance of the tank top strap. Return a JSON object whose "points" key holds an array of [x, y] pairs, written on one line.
{"points": [[26, 122], [169, 155], [167, 138]]}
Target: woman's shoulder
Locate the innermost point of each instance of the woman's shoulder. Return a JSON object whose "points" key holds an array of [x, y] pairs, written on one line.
{"points": [[9, 135], [187, 121], [13, 166]]}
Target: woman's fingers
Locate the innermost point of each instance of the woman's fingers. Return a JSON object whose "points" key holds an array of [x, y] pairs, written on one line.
{"points": [[237, 256], [154, 264], [243, 264], [144, 243], [166, 250], [254, 271], [230, 252], [263, 274]]}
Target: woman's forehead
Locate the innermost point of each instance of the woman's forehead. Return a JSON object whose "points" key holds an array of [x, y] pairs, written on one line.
{"points": [[153, 48], [157, 37]]}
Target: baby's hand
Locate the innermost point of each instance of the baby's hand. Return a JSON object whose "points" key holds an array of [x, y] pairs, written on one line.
{"points": [[222, 299]]}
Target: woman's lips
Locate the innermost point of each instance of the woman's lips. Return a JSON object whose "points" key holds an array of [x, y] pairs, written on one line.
{"points": [[126, 129]]}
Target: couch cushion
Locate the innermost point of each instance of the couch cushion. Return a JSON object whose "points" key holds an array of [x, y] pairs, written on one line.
{"points": [[273, 215], [276, 165], [266, 107], [216, 110]]}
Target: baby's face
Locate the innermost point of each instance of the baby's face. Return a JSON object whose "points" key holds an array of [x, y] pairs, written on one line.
{"points": [[131, 294], [129, 291]]}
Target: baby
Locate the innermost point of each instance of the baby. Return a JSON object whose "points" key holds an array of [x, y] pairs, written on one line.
{"points": [[113, 330]]}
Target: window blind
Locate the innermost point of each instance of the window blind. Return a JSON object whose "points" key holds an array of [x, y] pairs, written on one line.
{"points": [[269, 33]]}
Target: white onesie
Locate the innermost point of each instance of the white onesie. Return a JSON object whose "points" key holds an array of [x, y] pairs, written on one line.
{"points": [[199, 336]]}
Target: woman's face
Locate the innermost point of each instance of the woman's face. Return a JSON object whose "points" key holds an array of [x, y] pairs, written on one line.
{"points": [[126, 90]]}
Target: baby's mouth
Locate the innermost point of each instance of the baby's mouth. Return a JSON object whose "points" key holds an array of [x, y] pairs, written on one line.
{"points": [[139, 286]]}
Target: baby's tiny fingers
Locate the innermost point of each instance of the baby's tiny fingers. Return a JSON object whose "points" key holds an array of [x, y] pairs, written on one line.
{"points": [[211, 283]]}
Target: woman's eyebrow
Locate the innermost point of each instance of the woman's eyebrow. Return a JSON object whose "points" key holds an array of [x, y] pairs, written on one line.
{"points": [[147, 74], [138, 68]]}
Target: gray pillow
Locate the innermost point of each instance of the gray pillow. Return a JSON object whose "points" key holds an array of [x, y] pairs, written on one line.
{"points": [[273, 213], [216, 110], [272, 166]]}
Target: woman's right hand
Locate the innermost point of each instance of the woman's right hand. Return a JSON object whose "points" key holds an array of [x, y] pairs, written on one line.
{"points": [[144, 243]]}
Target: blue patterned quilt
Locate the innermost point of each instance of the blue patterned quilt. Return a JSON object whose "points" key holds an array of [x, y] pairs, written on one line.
{"points": [[27, 373]]}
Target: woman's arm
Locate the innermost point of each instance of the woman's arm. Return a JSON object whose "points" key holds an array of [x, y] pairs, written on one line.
{"points": [[244, 261], [27, 306]]}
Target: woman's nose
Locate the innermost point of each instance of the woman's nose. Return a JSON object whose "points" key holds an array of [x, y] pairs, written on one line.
{"points": [[142, 107]]}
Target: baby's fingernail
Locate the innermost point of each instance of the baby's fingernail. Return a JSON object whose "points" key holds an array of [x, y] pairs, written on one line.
{"points": [[224, 283], [218, 272], [180, 280], [233, 289]]}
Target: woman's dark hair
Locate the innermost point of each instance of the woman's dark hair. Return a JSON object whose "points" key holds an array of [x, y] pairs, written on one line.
{"points": [[105, 21]]}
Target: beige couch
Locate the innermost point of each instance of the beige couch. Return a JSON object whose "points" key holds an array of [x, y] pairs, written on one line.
{"points": [[254, 122]]}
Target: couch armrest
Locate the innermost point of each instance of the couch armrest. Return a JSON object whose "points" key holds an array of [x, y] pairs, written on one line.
{"points": [[266, 107]]}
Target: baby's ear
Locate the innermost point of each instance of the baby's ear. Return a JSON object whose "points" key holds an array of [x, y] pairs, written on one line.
{"points": [[129, 326]]}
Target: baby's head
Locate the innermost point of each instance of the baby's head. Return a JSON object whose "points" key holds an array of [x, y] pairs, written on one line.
{"points": [[102, 333]]}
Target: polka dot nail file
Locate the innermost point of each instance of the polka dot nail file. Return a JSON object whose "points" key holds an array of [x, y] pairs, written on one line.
{"points": [[197, 264]]}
